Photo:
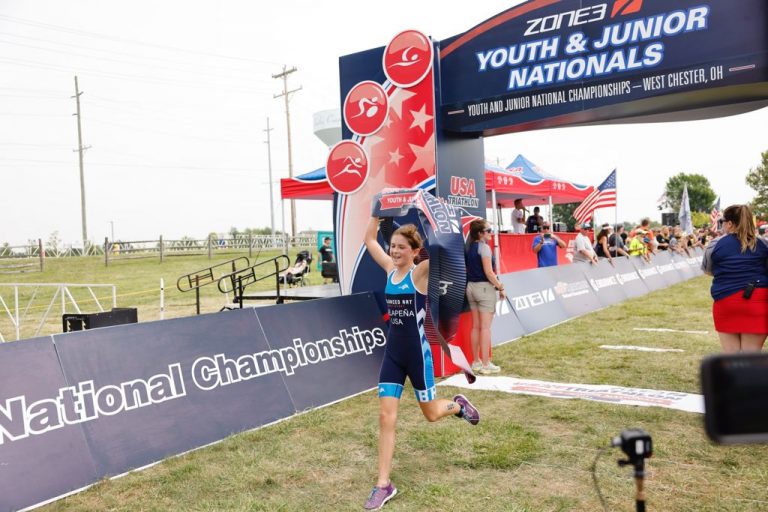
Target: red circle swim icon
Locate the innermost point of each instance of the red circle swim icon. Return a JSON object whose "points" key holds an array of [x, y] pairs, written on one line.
{"points": [[347, 167], [408, 58], [365, 108]]}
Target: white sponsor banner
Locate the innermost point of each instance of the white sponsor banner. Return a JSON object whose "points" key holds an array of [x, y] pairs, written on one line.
{"points": [[651, 329], [603, 393], [640, 349]]}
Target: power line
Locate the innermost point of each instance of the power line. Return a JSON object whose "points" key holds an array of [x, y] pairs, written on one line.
{"points": [[121, 61], [142, 57], [129, 77], [68, 30]]}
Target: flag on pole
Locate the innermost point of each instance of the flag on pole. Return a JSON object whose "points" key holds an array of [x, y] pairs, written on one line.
{"points": [[603, 196], [686, 222], [715, 214]]}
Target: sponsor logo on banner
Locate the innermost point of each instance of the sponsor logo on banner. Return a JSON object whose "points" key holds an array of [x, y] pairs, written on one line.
{"points": [[627, 277], [533, 300], [645, 273], [365, 108], [663, 269], [463, 192], [569, 290], [603, 282], [347, 167], [408, 58], [502, 308], [84, 401]]}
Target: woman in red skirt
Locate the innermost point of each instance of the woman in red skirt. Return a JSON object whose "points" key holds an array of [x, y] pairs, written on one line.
{"points": [[738, 261]]}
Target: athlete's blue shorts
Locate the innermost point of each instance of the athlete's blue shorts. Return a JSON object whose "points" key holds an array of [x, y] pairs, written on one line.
{"points": [[405, 357]]}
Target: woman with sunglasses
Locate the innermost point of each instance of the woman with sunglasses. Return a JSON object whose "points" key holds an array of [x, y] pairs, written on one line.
{"points": [[738, 261], [482, 285]]}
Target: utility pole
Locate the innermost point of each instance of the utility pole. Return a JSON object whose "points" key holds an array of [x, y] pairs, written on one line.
{"points": [[271, 200], [80, 149], [285, 94]]}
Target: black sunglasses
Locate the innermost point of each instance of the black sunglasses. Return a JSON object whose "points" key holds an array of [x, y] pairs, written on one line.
{"points": [[544, 227]]}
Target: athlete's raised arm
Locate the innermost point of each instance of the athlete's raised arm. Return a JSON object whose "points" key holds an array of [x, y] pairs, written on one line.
{"points": [[374, 249]]}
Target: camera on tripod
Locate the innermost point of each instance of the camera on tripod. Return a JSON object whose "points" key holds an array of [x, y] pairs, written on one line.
{"points": [[635, 443]]}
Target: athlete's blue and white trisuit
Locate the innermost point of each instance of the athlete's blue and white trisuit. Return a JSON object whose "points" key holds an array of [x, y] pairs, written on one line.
{"points": [[407, 351]]}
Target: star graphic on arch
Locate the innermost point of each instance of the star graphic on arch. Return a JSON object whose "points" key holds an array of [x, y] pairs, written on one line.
{"points": [[395, 157], [420, 118], [397, 99], [425, 157]]}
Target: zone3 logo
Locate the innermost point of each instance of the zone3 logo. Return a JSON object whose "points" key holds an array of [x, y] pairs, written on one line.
{"points": [[581, 16]]}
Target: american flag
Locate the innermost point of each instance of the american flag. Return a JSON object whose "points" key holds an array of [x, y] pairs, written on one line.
{"points": [[715, 214], [603, 196]]}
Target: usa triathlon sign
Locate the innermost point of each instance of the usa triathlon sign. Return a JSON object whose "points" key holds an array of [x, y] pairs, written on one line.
{"points": [[554, 63]]}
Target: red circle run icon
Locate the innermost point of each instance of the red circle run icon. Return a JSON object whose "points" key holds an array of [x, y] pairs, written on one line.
{"points": [[347, 167], [365, 108], [408, 58]]}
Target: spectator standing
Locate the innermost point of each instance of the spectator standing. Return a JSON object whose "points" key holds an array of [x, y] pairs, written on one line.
{"points": [[601, 244], [326, 252], [518, 218], [618, 235], [663, 238], [482, 285], [533, 224], [738, 262], [637, 246], [583, 250], [545, 246]]}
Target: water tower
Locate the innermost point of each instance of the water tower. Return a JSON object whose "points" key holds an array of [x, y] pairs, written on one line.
{"points": [[327, 126]]}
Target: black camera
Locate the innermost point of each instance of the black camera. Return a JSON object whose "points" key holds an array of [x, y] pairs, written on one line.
{"points": [[635, 443], [735, 389]]}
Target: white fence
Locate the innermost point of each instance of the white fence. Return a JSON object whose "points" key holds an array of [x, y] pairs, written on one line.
{"points": [[22, 258], [24, 303]]}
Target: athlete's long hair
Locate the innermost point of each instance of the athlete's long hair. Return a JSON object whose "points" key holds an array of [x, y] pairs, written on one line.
{"points": [[475, 228], [741, 217], [411, 234]]}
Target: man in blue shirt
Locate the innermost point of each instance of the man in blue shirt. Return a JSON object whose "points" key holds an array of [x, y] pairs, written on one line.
{"points": [[545, 246]]}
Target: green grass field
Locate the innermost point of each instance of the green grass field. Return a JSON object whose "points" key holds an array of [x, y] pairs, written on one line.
{"points": [[527, 454]]}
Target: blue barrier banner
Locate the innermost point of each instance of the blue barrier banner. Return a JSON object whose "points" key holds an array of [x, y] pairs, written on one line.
{"points": [[631, 282], [666, 267], [532, 296], [156, 389], [41, 456], [506, 326], [602, 277], [682, 267], [573, 289], [649, 274], [335, 346]]}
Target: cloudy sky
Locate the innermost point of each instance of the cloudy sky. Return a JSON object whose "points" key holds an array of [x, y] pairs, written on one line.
{"points": [[176, 97]]}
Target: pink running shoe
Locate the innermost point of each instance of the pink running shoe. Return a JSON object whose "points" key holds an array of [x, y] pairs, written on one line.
{"points": [[379, 496], [468, 411]]}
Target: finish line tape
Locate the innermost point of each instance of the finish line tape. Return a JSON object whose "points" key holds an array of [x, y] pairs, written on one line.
{"points": [[610, 394], [641, 349], [649, 329]]}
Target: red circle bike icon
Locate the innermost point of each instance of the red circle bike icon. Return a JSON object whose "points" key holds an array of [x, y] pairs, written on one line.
{"points": [[365, 108]]}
